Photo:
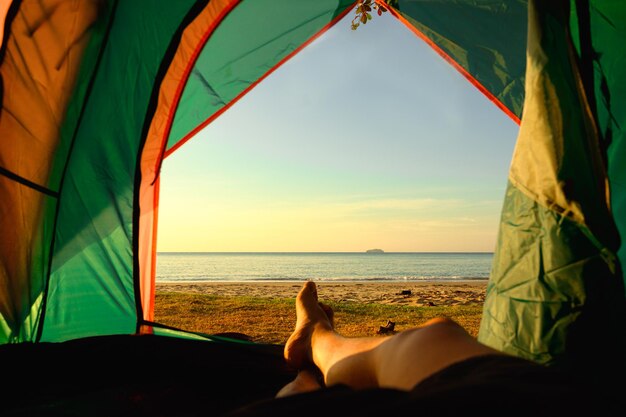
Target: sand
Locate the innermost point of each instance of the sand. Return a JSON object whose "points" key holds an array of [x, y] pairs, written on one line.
{"points": [[436, 293]]}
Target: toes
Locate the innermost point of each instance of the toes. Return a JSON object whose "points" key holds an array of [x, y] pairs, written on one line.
{"points": [[307, 295], [329, 313], [309, 289]]}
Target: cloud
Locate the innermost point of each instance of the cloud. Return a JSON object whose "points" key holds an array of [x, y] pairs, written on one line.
{"points": [[415, 207]]}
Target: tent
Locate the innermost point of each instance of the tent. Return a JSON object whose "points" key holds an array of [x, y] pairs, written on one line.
{"points": [[95, 94]]}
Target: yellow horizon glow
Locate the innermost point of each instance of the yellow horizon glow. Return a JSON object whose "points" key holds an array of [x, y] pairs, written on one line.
{"points": [[418, 225]]}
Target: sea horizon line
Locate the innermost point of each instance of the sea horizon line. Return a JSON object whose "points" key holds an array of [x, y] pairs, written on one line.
{"points": [[326, 252]]}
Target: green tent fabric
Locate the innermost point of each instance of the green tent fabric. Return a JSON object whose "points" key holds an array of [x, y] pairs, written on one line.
{"points": [[105, 245], [604, 61], [96, 94], [556, 273], [484, 40], [556, 278], [229, 64], [80, 242]]}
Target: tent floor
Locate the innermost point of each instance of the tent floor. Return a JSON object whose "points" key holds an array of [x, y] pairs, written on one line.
{"points": [[123, 375], [137, 375]]}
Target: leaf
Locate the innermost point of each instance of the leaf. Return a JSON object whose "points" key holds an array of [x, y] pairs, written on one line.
{"points": [[362, 9]]}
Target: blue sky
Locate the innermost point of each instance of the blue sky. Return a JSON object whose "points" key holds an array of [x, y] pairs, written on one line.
{"points": [[366, 139]]}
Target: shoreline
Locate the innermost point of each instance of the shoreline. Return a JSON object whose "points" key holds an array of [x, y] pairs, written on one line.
{"points": [[411, 293]]}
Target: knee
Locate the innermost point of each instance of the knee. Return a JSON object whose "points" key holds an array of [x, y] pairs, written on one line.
{"points": [[442, 327], [434, 330], [442, 321]]}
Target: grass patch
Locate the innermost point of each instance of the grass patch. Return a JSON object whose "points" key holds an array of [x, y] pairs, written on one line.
{"points": [[271, 320]]}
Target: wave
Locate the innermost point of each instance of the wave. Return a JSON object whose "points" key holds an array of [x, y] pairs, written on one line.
{"points": [[320, 279]]}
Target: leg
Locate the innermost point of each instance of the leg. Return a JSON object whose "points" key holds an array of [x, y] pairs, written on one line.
{"points": [[305, 381], [399, 361]]}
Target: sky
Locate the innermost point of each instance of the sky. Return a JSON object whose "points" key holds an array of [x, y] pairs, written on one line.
{"points": [[366, 139]]}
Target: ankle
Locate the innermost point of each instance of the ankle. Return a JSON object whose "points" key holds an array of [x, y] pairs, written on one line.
{"points": [[322, 338]]}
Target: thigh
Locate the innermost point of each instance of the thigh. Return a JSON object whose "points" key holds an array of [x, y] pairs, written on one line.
{"points": [[411, 356]]}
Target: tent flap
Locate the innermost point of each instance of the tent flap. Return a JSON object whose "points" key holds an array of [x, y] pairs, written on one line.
{"points": [[554, 279]]}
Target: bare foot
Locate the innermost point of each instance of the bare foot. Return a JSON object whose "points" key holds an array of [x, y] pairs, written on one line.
{"points": [[329, 313], [310, 316]]}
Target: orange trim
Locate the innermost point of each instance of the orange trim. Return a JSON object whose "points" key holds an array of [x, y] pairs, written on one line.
{"points": [[183, 81], [145, 329], [455, 64], [4, 9], [42, 56], [147, 250], [148, 203], [191, 43], [251, 86], [39, 71], [155, 226]]}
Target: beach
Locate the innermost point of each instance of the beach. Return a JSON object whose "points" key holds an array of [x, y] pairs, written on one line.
{"points": [[412, 293], [264, 310]]}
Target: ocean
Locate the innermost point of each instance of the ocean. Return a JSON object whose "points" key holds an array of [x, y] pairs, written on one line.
{"points": [[321, 266]]}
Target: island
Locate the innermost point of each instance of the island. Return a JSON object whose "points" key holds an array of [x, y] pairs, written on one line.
{"points": [[374, 251]]}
